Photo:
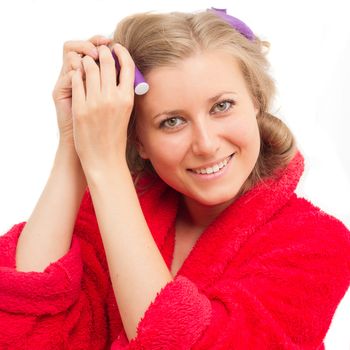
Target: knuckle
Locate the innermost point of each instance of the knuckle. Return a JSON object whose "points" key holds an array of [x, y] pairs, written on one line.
{"points": [[87, 59], [72, 57], [99, 39], [105, 102], [93, 106], [77, 47], [88, 63], [67, 45], [89, 46], [80, 115], [69, 55], [105, 54], [94, 38], [127, 100], [111, 104], [54, 93], [79, 120]]}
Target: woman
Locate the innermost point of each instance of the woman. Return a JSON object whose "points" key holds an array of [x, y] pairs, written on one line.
{"points": [[189, 235]]}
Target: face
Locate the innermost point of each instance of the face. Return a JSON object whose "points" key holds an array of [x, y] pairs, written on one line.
{"points": [[197, 126]]}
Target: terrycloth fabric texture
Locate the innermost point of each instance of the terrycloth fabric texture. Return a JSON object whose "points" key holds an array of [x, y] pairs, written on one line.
{"points": [[267, 274]]}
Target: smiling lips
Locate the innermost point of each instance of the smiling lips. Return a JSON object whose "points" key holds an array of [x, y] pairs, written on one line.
{"points": [[214, 168]]}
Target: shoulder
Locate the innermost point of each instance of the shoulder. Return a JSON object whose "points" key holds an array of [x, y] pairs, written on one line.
{"points": [[303, 232], [306, 215], [302, 247], [303, 224]]}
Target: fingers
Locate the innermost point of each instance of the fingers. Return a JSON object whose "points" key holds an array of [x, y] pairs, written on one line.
{"points": [[102, 78], [73, 61], [127, 71], [86, 47], [80, 47], [73, 52], [62, 85], [107, 69], [92, 74], [98, 40], [78, 90]]}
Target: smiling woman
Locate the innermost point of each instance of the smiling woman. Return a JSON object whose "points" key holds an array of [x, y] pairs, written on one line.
{"points": [[179, 224], [204, 135]]}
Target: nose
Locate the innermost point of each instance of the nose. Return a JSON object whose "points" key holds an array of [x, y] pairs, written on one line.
{"points": [[204, 139]]}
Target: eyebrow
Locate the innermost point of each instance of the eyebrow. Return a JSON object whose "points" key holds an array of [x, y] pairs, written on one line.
{"points": [[211, 99]]}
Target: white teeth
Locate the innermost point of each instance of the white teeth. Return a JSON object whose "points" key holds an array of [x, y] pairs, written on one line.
{"points": [[213, 169]]}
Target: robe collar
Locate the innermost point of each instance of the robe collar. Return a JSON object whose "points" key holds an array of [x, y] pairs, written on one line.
{"points": [[222, 239]]}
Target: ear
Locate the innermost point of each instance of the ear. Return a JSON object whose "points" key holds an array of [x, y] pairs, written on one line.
{"points": [[256, 106], [256, 110], [141, 149]]}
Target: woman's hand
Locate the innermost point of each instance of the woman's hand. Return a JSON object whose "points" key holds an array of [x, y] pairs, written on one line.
{"points": [[101, 109], [62, 93]]}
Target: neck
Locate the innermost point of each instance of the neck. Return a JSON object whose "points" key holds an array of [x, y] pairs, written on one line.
{"points": [[198, 215]]}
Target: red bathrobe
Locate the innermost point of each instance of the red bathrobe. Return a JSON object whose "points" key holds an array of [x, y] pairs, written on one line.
{"points": [[268, 273]]}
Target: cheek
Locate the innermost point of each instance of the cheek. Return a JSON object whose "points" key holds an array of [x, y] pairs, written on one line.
{"points": [[166, 151], [244, 133]]}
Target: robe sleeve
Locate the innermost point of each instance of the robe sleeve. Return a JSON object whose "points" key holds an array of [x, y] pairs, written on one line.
{"points": [[62, 307], [38, 293], [278, 294], [31, 302]]}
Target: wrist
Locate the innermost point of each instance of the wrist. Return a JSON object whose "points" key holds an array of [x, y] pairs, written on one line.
{"points": [[67, 160], [104, 172]]}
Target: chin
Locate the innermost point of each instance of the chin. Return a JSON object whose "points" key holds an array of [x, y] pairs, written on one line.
{"points": [[217, 200]]}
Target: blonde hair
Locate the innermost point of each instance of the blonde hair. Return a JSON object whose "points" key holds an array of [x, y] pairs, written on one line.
{"points": [[164, 39]]}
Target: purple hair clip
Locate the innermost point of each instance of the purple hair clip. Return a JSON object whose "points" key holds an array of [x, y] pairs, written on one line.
{"points": [[234, 22], [140, 85]]}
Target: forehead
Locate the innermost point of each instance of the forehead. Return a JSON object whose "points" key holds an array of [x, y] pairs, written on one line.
{"points": [[193, 79]]}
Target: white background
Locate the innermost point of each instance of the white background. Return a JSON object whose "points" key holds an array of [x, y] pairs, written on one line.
{"points": [[310, 57]]}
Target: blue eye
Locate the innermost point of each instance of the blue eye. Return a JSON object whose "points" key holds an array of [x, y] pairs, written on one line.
{"points": [[225, 105], [170, 123], [174, 122]]}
